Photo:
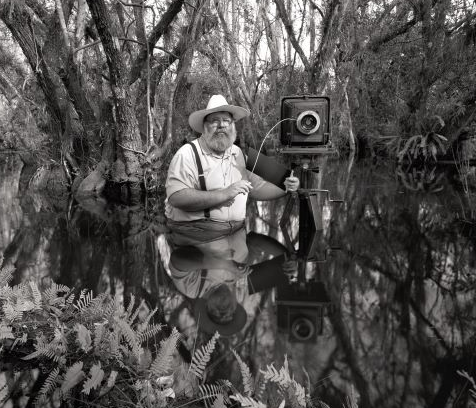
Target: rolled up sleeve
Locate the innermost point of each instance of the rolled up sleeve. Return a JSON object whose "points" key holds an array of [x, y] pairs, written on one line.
{"points": [[182, 172]]}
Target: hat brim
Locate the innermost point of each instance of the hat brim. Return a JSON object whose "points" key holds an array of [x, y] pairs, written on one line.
{"points": [[195, 120], [209, 326]]}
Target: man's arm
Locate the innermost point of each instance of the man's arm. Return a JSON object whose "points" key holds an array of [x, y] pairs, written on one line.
{"points": [[269, 191], [190, 199]]}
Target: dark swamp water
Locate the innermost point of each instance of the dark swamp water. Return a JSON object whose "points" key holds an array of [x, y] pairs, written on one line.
{"points": [[379, 297]]}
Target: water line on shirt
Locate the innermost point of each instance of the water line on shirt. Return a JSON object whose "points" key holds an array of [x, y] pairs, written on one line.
{"points": [[267, 134]]}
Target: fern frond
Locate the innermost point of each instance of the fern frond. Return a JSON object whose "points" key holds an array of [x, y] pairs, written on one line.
{"points": [[280, 377], [262, 386], [248, 383], [85, 298], [299, 393], [42, 348], [220, 388], [247, 401], [111, 381], [210, 391], [56, 293], [35, 294], [133, 317], [144, 325], [113, 338], [83, 337], [351, 400], [219, 402], [163, 362], [70, 298], [74, 375], [149, 332], [48, 387], [201, 357], [95, 309], [96, 375], [99, 330], [130, 336], [6, 332], [6, 273], [130, 307], [11, 313]]}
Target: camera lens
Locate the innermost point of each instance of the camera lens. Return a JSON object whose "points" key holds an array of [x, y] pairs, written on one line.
{"points": [[308, 122], [302, 328]]}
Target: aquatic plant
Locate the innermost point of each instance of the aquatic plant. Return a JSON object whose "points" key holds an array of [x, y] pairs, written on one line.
{"points": [[426, 145], [86, 349]]}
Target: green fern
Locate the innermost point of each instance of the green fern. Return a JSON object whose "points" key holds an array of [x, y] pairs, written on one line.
{"points": [[149, 332], [6, 273], [246, 375], [219, 402], [85, 299], [163, 362], [130, 336], [96, 375], [48, 387], [74, 375], [288, 385], [143, 325], [220, 388], [247, 401], [36, 295], [280, 377], [201, 357], [133, 317], [6, 332], [43, 348], [208, 391], [111, 381], [99, 331], [83, 337], [130, 308]]}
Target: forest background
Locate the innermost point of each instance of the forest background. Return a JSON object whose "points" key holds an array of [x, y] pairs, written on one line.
{"points": [[101, 90]]}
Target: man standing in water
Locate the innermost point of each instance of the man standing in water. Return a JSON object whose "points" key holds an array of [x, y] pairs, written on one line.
{"points": [[207, 183]]}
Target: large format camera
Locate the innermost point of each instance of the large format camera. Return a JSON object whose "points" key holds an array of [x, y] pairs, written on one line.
{"points": [[305, 121], [301, 309]]}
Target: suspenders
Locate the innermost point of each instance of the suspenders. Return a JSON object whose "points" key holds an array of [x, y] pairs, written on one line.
{"points": [[201, 177]]}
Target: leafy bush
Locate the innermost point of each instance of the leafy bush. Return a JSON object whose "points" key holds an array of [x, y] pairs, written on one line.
{"points": [[425, 146], [94, 350]]}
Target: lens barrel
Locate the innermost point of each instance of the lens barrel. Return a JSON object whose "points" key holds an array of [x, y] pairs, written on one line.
{"points": [[308, 122], [302, 328]]}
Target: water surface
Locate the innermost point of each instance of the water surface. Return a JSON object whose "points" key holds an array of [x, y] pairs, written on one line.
{"points": [[377, 298]]}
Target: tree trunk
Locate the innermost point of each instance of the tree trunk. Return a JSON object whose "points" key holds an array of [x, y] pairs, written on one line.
{"points": [[126, 122]]}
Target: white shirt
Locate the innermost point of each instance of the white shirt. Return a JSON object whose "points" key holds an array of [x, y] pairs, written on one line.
{"points": [[219, 171]]}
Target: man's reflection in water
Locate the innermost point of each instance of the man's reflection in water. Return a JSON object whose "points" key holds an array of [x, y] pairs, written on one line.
{"points": [[219, 275]]}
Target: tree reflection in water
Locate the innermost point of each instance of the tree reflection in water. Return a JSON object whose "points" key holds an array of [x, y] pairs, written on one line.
{"points": [[401, 284]]}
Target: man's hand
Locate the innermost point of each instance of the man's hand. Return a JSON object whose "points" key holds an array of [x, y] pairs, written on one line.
{"points": [[239, 187], [291, 183]]}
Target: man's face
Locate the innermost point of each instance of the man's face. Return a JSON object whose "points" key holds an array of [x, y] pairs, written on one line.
{"points": [[219, 131]]}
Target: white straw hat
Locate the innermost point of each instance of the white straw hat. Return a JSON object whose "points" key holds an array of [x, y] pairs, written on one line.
{"points": [[217, 103]]}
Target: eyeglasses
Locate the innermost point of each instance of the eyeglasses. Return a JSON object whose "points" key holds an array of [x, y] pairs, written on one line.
{"points": [[217, 121]]}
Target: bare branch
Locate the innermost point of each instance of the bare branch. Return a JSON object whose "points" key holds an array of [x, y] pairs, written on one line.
{"points": [[62, 22], [157, 32], [316, 7], [289, 30]]}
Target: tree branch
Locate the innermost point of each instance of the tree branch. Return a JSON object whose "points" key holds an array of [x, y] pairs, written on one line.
{"points": [[62, 22], [157, 32], [292, 37]]}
